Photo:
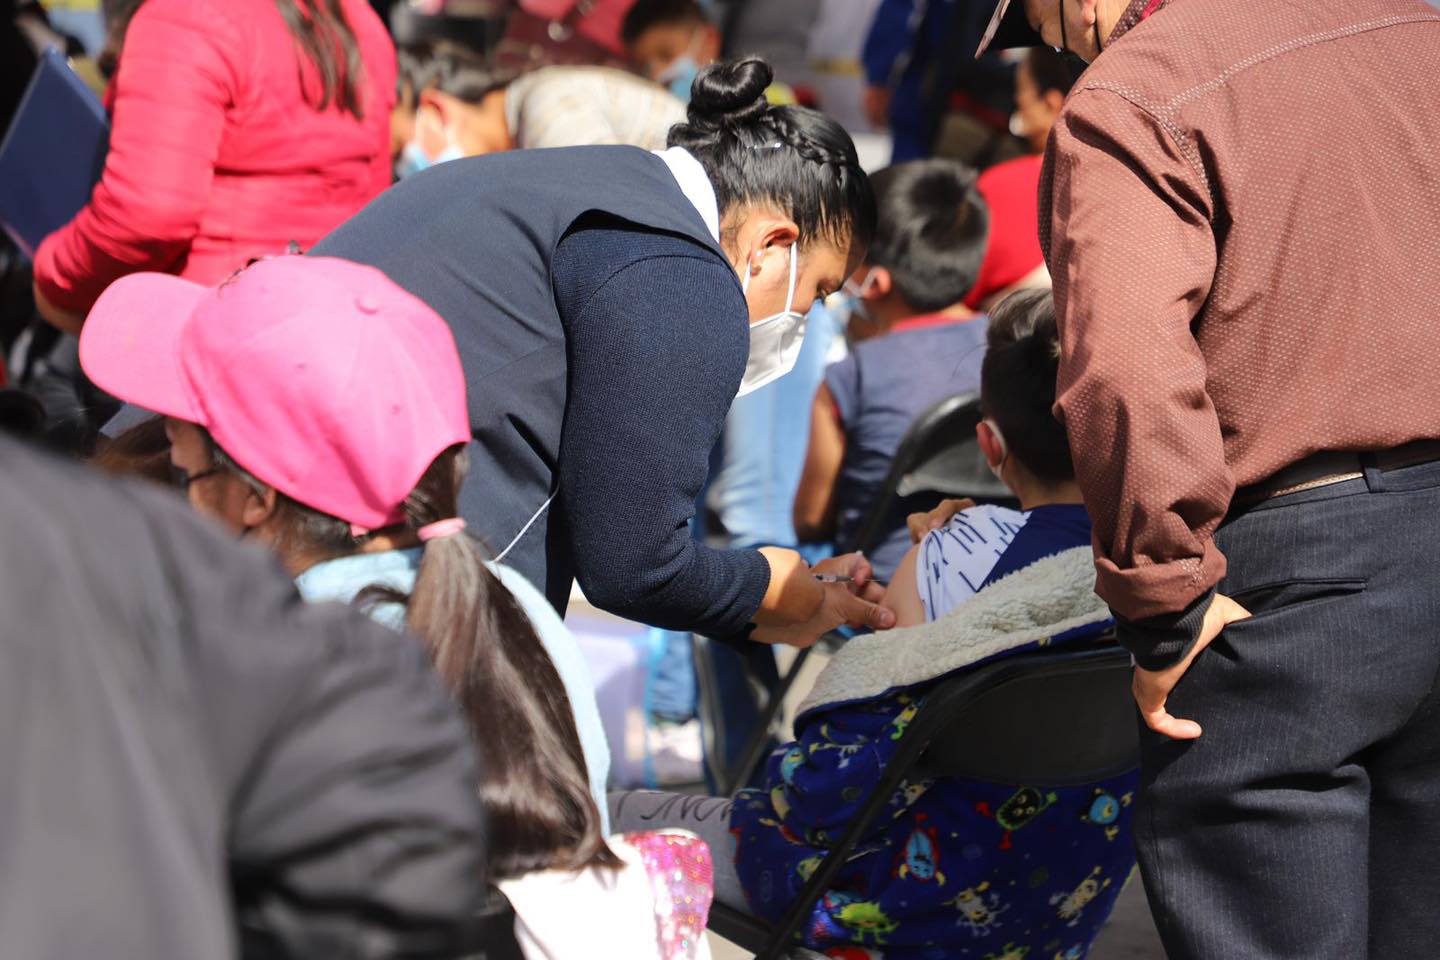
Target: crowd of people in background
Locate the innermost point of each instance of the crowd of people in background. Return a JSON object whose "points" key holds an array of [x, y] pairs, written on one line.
{"points": [[443, 314]]}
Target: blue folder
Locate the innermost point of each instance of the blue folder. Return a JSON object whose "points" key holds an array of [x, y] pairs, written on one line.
{"points": [[52, 154]]}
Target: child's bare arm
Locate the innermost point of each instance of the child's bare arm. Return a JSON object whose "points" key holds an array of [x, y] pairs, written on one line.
{"points": [[903, 595]]}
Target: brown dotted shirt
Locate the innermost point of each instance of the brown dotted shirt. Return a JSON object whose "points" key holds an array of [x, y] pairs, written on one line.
{"points": [[1241, 210]]}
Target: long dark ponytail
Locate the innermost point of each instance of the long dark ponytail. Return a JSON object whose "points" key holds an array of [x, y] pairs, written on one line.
{"points": [[321, 32], [794, 158], [534, 784]]}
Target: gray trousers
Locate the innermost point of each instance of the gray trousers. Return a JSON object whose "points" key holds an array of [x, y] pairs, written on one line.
{"points": [[1305, 822], [638, 811]]}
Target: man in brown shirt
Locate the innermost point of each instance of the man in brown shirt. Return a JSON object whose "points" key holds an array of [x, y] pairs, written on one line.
{"points": [[1241, 211]]}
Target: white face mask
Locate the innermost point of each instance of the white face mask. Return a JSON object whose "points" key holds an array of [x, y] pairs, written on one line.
{"points": [[775, 341], [997, 468]]}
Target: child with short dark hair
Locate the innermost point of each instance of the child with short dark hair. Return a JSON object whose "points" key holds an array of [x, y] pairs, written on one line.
{"points": [[953, 867], [1028, 450]]}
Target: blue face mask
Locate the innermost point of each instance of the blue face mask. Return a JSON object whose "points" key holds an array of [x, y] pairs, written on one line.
{"points": [[680, 76], [413, 159], [853, 298]]}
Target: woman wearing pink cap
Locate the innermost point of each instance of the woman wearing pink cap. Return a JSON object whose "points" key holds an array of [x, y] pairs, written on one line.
{"points": [[316, 407]]}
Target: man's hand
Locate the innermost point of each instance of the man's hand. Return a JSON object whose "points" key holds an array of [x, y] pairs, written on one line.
{"points": [[923, 524], [855, 604], [1152, 687]]}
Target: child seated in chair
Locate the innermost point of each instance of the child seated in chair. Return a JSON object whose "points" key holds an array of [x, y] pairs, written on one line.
{"points": [[1027, 449], [953, 868]]}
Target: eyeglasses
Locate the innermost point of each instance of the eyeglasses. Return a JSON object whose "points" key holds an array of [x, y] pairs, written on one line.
{"points": [[183, 480]]}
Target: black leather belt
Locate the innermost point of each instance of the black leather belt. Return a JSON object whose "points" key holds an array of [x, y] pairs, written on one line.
{"points": [[1329, 467]]}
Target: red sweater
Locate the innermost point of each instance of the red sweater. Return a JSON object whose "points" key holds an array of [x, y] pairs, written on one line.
{"points": [[216, 155]]}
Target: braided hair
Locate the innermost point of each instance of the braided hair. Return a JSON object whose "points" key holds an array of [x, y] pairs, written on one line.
{"points": [[796, 159]]}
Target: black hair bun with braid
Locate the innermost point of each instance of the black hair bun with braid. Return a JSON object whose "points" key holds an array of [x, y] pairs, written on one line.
{"points": [[795, 160], [729, 94]]}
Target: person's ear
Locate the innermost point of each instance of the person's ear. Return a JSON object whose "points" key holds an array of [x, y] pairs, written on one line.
{"points": [[882, 285], [990, 444], [429, 126], [779, 234], [258, 508], [773, 244], [435, 102], [756, 239], [1054, 100]]}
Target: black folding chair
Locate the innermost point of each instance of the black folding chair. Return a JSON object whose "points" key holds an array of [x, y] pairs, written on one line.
{"points": [[1078, 726], [938, 457]]}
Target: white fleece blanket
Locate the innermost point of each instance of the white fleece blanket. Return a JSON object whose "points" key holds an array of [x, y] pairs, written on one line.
{"points": [[1031, 605]]}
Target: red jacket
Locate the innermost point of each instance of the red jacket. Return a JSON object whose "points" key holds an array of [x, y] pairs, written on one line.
{"points": [[1011, 190], [216, 155]]}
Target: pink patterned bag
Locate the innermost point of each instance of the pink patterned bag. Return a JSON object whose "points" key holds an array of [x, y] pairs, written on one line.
{"points": [[682, 878]]}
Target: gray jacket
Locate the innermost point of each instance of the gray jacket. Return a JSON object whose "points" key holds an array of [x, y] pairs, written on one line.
{"points": [[195, 764]]}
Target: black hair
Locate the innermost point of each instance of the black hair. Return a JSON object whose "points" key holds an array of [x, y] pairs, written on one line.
{"points": [[1050, 71], [797, 159], [645, 14], [1017, 384], [320, 30], [931, 233], [533, 785], [449, 67], [22, 415]]}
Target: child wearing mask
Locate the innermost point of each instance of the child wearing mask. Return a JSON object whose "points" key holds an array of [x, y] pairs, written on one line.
{"points": [[318, 408], [954, 867], [453, 103], [1028, 451], [671, 41]]}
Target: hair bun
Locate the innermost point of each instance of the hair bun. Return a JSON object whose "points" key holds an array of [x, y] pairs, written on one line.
{"points": [[730, 92]]}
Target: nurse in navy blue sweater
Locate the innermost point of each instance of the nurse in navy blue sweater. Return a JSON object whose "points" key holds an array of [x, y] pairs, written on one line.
{"points": [[609, 303]]}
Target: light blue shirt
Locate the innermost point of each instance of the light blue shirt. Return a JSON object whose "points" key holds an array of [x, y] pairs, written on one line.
{"points": [[342, 580]]}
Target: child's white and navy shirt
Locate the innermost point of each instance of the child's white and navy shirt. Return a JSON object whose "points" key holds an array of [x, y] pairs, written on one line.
{"points": [[986, 542]]}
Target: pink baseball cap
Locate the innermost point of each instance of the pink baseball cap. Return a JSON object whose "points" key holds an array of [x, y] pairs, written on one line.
{"points": [[321, 377]]}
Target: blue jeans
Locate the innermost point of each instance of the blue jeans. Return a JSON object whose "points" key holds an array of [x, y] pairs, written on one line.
{"points": [[1305, 821]]}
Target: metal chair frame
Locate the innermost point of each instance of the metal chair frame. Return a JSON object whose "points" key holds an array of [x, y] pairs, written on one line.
{"points": [[1086, 687], [930, 449]]}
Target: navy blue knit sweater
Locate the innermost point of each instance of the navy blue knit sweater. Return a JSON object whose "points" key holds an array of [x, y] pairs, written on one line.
{"points": [[651, 379]]}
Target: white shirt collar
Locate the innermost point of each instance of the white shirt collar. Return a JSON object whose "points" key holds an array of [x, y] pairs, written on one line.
{"points": [[695, 184]]}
